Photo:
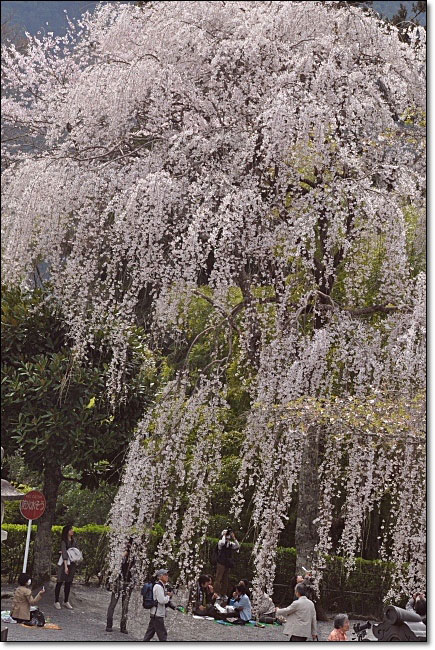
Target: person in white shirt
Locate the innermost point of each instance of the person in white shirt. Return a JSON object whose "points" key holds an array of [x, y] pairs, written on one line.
{"points": [[158, 612], [301, 615]]}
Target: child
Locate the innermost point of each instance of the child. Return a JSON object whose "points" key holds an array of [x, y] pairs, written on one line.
{"points": [[23, 598]]}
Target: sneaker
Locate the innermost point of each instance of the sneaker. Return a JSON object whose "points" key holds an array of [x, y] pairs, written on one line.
{"points": [[57, 605], [67, 605], [109, 629]]}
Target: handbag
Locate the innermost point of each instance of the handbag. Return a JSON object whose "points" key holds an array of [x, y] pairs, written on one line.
{"points": [[74, 554], [37, 618]]}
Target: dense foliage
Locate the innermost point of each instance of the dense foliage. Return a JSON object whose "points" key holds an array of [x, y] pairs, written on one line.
{"points": [[268, 159], [55, 414]]}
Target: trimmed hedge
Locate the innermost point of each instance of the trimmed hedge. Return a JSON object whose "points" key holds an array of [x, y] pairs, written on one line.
{"points": [[361, 592], [91, 540]]}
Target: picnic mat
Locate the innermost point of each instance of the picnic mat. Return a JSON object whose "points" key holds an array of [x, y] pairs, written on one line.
{"points": [[47, 626]]}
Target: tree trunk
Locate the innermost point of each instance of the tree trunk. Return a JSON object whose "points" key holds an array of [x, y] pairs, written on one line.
{"points": [[306, 532], [43, 541]]}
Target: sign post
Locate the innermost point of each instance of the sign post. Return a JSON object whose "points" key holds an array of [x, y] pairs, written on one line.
{"points": [[31, 507]]}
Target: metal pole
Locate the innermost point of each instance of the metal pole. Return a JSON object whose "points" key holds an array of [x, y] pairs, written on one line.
{"points": [[26, 552]]}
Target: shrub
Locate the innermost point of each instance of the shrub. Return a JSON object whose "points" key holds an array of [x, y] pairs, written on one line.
{"points": [[91, 540], [361, 592]]}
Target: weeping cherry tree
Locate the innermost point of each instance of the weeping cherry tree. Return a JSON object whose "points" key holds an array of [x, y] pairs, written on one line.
{"points": [[268, 158]]}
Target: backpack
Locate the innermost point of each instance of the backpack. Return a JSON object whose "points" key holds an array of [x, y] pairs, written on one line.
{"points": [[214, 554], [148, 596]]}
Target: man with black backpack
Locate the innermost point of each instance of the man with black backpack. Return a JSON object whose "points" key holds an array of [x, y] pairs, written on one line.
{"points": [[158, 610], [225, 547]]}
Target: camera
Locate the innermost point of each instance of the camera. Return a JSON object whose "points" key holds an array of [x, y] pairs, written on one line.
{"points": [[229, 531], [360, 629], [172, 589]]}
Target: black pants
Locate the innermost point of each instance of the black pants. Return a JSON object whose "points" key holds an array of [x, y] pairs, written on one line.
{"points": [[298, 638], [156, 626], [223, 616], [66, 591], [23, 620], [124, 607], [210, 610]]}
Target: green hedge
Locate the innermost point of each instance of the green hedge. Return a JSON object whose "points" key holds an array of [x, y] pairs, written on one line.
{"points": [[91, 540], [361, 592]]}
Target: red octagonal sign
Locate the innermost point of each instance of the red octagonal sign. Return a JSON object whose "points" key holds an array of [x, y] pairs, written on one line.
{"points": [[33, 505]]}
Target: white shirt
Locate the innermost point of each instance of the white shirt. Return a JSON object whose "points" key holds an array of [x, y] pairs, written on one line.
{"points": [[229, 542], [162, 600]]}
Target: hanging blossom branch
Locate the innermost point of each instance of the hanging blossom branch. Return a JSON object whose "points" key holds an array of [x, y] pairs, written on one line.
{"points": [[156, 470]]}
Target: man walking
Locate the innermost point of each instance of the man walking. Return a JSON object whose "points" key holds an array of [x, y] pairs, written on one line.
{"points": [[301, 616], [158, 612]]}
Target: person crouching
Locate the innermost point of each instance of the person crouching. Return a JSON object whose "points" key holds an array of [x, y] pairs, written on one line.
{"points": [[204, 597], [23, 599]]}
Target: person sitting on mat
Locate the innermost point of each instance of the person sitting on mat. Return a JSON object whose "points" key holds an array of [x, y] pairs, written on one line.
{"points": [[23, 598]]}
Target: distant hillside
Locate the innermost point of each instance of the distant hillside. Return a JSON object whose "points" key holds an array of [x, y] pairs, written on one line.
{"points": [[50, 16], [390, 7]]}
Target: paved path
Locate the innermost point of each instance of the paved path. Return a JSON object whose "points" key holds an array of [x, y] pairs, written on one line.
{"points": [[87, 622]]}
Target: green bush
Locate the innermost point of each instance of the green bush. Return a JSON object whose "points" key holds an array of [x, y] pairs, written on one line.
{"points": [[13, 550], [361, 592], [91, 540], [216, 525]]}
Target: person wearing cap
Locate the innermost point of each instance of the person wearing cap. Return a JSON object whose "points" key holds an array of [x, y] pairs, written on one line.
{"points": [[158, 612]]}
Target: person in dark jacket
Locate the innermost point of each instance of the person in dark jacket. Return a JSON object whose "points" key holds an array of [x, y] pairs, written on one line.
{"points": [[296, 580], [65, 568], [122, 587], [226, 545], [204, 598]]}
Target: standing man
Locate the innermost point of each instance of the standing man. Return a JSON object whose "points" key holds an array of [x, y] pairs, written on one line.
{"points": [[158, 612], [122, 587], [226, 545], [301, 616]]}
